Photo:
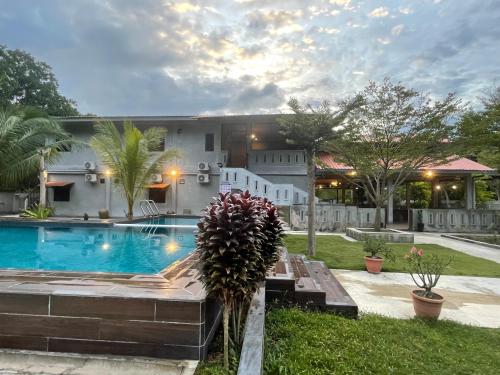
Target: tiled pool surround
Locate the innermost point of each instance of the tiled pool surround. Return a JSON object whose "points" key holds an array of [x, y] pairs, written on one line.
{"points": [[165, 315]]}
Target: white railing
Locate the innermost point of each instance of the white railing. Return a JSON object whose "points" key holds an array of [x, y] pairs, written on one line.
{"points": [[281, 194]]}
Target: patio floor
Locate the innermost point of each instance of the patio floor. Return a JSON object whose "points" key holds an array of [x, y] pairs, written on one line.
{"points": [[468, 300], [38, 363]]}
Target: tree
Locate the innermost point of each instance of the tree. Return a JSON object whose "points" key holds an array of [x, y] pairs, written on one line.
{"points": [[128, 156], [27, 82], [28, 139], [310, 128], [395, 131], [480, 133]]}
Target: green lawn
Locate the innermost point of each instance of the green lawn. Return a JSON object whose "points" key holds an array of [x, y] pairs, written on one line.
{"points": [[337, 252], [317, 343], [303, 343]]}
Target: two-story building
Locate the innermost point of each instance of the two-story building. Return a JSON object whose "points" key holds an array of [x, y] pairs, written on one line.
{"points": [[218, 153]]}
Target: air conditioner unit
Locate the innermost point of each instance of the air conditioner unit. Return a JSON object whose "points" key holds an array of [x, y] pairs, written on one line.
{"points": [[203, 178], [203, 166], [91, 177], [89, 165], [157, 178]]}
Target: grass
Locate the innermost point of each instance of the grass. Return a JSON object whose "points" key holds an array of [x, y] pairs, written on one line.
{"points": [[301, 342], [339, 253]]}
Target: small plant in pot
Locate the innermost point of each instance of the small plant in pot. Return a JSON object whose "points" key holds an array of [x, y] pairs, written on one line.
{"points": [[425, 270], [378, 251]]}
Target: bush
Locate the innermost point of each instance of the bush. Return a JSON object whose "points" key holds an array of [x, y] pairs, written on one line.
{"points": [[273, 232], [238, 242], [377, 248], [38, 212]]}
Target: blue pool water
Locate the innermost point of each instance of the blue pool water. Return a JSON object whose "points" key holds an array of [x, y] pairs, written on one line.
{"points": [[127, 249], [167, 220]]}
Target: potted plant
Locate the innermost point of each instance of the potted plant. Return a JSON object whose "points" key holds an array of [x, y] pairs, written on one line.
{"points": [[420, 221], [377, 250], [425, 272], [103, 214]]}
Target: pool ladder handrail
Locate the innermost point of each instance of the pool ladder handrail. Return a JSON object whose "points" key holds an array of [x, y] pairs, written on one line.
{"points": [[149, 208]]}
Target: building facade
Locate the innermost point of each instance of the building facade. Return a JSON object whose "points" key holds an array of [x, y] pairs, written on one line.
{"points": [[229, 153]]}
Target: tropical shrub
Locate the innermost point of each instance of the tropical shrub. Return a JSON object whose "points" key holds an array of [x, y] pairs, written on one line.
{"points": [[273, 231], [230, 235], [38, 211], [425, 270], [377, 248]]}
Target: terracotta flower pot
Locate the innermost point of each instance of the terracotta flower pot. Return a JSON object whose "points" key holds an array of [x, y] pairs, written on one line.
{"points": [[426, 307], [373, 265]]}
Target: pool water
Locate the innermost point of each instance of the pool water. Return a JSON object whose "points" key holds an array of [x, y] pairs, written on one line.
{"points": [[145, 250], [171, 221]]}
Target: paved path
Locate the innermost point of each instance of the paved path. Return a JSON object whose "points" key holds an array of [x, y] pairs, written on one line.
{"points": [[465, 247], [468, 300], [23, 362]]}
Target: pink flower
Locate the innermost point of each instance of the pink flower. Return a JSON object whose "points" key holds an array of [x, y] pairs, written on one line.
{"points": [[413, 250], [420, 252]]}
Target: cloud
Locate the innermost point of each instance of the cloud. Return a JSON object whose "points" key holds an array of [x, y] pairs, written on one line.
{"points": [[123, 57], [379, 12], [396, 30]]}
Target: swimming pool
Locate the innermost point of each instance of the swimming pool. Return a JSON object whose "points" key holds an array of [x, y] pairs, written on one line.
{"points": [[164, 221], [139, 249]]}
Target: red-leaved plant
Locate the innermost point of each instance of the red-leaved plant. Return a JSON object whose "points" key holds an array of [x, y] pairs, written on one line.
{"points": [[230, 241], [273, 231]]}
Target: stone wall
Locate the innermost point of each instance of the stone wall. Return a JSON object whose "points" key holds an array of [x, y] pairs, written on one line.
{"points": [[457, 220], [333, 217]]}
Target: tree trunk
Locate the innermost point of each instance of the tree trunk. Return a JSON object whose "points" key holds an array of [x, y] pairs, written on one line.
{"points": [[226, 336], [130, 213], [43, 180], [378, 216], [311, 208]]}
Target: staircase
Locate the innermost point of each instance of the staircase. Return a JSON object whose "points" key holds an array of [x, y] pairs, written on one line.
{"points": [[280, 194], [295, 280]]}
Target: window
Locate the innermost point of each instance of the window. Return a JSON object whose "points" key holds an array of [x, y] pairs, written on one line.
{"points": [[247, 180], [296, 158], [288, 158], [157, 195], [277, 195], [235, 176], [337, 216], [209, 142], [227, 176], [61, 194], [286, 194], [452, 219], [265, 189], [257, 185], [431, 218]]}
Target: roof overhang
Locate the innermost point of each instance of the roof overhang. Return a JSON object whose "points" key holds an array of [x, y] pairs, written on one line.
{"points": [[59, 184], [158, 186]]}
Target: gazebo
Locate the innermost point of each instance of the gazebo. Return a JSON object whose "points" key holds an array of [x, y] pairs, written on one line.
{"points": [[458, 175]]}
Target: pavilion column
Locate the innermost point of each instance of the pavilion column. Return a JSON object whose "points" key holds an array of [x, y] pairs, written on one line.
{"points": [[390, 203], [470, 193], [435, 194]]}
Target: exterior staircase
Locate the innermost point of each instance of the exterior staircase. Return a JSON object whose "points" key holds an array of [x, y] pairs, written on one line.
{"points": [[280, 194]]}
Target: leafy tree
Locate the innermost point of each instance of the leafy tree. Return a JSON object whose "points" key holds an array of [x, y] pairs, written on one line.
{"points": [[28, 139], [310, 128], [128, 156], [25, 81], [394, 132]]}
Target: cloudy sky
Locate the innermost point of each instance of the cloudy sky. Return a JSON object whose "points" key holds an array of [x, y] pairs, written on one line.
{"points": [[152, 57]]}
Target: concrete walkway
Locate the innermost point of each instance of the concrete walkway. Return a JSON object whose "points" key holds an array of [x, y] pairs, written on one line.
{"points": [[465, 247], [468, 300], [22, 362]]}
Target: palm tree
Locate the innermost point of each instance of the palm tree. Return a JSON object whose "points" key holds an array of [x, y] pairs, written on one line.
{"points": [[128, 155], [29, 139]]}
